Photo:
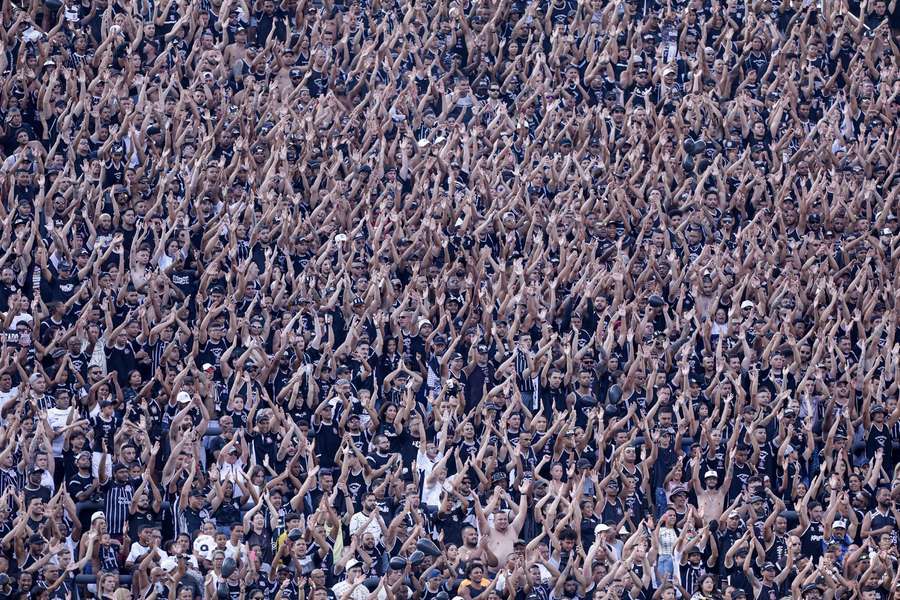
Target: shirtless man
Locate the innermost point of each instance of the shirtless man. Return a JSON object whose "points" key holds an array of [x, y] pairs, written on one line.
{"points": [[469, 549], [502, 535], [710, 499]]}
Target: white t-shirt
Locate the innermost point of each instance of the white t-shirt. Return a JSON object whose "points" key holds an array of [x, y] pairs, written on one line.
{"points": [[357, 522], [6, 397], [358, 593], [137, 552], [234, 473], [204, 546], [236, 552], [58, 419]]}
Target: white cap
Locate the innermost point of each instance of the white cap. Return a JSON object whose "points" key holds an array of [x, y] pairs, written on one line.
{"points": [[601, 528], [183, 397], [710, 473], [168, 563], [98, 515], [747, 304], [839, 524]]}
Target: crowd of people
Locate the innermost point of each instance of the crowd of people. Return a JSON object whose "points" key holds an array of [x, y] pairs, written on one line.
{"points": [[451, 300]]}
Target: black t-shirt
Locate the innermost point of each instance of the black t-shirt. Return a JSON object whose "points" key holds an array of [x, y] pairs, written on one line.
{"points": [[328, 440], [58, 288], [451, 523], [264, 444], [811, 540], [185, 280], [121, 360], [78, 483], [105, 430], [142, 518], [193, 519]]}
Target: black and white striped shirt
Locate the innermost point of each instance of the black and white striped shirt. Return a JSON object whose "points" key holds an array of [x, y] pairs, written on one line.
{"points": [[45, 402], [691, 576], [156, 354], [117, 499], [11, 479], [526, 384]]}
